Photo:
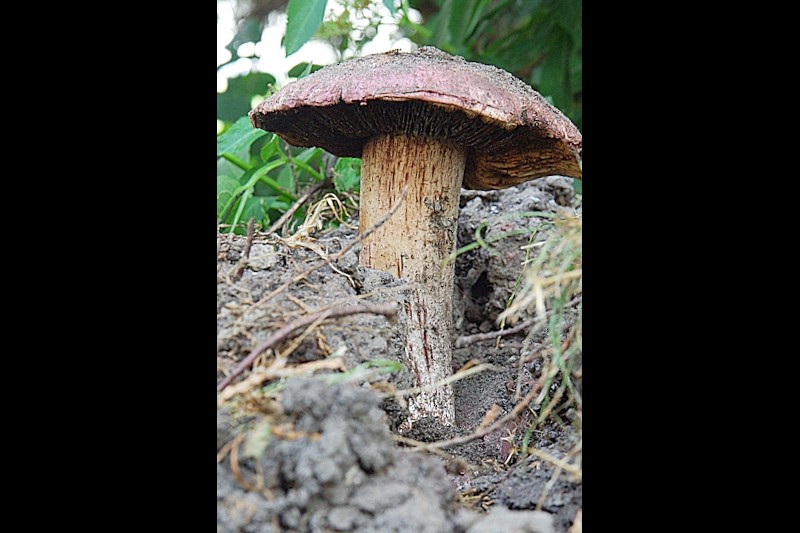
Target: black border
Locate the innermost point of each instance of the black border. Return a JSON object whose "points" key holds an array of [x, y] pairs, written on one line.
{"points": [[136, 134]]}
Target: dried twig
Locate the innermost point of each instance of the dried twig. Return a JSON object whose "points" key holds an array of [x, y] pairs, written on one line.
{"points": [[335, 257], [521, 406], [537, 323], [300, 338], [226, 448], [467, 340], [302, 236], [276, 371], [324, 184], [461, 374], [251, 231], [234, 460], [284, 332], [560, 465]]}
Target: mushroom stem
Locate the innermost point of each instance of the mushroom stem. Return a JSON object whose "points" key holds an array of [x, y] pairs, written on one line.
{"points": [[412, 245]]}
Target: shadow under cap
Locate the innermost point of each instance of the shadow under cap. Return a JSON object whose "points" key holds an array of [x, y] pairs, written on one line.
{"points": [[513, 133]]}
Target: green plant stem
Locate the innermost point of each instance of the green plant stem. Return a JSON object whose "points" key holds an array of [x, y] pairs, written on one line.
{"points": [[228, 206], [275, 186], [240, 208], [258, 174], [309, 169], [236, 161], [480, 241]]}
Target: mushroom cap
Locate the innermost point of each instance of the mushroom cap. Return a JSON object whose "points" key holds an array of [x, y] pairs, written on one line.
{"points": [[513, 133]]}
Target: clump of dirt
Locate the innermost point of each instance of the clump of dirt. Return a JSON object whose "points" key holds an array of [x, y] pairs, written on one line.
{"points": [[335, 468], [303, 453]]}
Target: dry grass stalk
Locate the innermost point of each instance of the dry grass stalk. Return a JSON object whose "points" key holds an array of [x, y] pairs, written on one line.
{"points": [[284, 332]]}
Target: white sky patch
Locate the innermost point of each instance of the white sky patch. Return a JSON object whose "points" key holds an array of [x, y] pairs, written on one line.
{"points": [[225, 31], [272, 56]]}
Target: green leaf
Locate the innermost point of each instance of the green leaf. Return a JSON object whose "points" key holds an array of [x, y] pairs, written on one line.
{"points": [[365, 371], [576, 72], [284, 178], [390, 6], [304, 159], [458, 20], [257, 439], [254, 207], [226, 187], [307, 154], [438, 23], [269, 148], [235, 101], [301, 70], [273, 202], [226, 168], [237, 217], [304, 17], [568, 14], [555, 69], [475, 17], [347, 174], [238, 137], [577, 185]]}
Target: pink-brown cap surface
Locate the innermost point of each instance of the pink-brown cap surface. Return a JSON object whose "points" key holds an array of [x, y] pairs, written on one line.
{"points": [[513, 133]]}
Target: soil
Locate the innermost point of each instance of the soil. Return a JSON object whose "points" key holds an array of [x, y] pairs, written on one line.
{"points": [[308, 437]]}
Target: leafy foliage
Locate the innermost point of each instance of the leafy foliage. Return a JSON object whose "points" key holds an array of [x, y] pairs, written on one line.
{"points": [[347, 175], [240, 136], [304, 17], [257, 177], [539, 41], [236, 101]]}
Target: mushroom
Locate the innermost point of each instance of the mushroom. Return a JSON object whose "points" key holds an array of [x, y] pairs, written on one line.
{"points": [[432, 122]]}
